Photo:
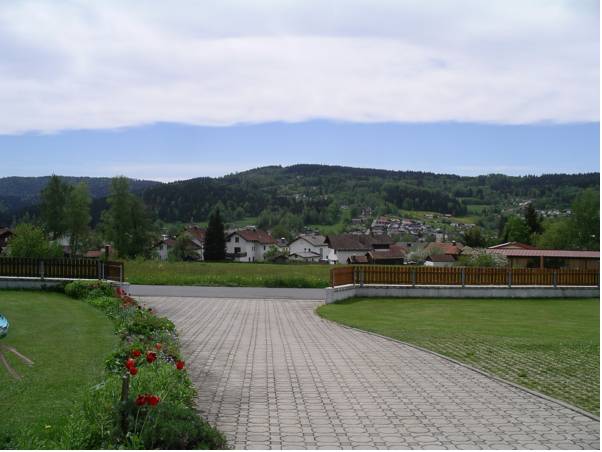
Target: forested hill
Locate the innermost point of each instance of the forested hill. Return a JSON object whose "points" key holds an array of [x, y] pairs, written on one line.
{"points": [[318, 191]]}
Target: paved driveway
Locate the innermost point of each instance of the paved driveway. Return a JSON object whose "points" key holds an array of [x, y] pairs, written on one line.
{"points": [[272, 374]]}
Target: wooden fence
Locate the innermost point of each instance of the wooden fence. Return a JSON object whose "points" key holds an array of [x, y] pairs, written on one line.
{"points": [[68, 268], [461, 276]]}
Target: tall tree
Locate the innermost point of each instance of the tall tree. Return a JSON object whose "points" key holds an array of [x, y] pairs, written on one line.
{"points": [[586, 220], [77, 216], [54, 201], [215, 241], [516, 230], [532, 219], [125, 223], [474, 238]]}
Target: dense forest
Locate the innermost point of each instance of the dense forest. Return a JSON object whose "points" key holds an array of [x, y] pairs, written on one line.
{"points": [[316, 194]]}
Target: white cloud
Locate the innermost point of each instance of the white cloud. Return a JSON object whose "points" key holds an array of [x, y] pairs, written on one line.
{"points": [[74, 64]]}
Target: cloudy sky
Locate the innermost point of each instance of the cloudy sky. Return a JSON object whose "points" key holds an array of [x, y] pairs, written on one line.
{"points": [[172, 90]]}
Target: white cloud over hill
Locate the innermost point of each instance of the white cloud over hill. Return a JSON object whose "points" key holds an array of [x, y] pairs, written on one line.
{"points": [[78, 64]]}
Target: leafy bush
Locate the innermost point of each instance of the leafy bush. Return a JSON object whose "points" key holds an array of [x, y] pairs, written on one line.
{"points": [[179, 427], [89, 289], [144, 323]]}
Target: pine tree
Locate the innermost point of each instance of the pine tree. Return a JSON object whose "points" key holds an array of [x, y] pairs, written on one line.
{"points": [[215, 241], [532, 219]]}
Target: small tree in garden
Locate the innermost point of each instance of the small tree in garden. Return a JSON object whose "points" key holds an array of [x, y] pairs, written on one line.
{"points": [[30, 241], [215, 241]]}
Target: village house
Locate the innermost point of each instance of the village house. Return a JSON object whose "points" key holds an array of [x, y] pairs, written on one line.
{"points": [[309, 248], [342, 247], [248, 245]]}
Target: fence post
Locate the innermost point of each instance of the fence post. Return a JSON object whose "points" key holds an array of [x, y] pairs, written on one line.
{"points": [[361, 276], [41, 268], [509, 278], [413, 276], [463, 277], [555, 278], [121, 273]]}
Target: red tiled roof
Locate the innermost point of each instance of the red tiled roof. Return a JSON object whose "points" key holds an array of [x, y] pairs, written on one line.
{"points": [[256, 235], [399, 249], [513, 245], [358, 259], [197, 233], [386, 254], [445, 248], [441, 258], [545, 253]]}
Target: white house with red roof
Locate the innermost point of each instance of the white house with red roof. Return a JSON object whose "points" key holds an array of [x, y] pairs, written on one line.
{"points": [[249, 245]]}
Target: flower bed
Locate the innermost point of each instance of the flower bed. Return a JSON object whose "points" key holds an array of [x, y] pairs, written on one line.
{"points": [[146, 398]]}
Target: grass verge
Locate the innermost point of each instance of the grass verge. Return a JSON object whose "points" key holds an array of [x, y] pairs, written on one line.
{"points": [[68, 342], [229, 274], [551, 346], [142, 400]]}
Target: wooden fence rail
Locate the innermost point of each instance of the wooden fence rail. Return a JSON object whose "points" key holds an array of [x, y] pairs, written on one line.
{"points": [[461, 276], [69, 268]]}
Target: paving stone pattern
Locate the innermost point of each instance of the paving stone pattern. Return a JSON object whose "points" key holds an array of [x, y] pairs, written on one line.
{"points": [[272, 375]]}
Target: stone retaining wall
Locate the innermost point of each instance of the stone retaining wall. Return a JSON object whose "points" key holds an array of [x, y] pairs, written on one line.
{"points": [[349, 291]]}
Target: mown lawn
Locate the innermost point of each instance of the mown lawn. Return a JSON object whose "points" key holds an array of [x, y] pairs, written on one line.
{"points": [[552, 346], [68, 341], [227, 274]]}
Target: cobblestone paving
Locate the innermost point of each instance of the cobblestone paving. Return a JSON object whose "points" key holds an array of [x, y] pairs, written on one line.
{"points": [[272, 375]]}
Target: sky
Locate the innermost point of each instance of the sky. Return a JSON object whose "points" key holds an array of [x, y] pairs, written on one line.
{"points": [[185, 89]]}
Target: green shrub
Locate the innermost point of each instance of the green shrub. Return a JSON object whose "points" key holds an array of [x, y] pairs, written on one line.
{"points": [[89, 289], [170, 426], [144, 323]]}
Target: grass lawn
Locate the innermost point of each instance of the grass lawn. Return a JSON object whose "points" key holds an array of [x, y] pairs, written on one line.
{"points": [[227, 274], [552, 346], [68, 341]]}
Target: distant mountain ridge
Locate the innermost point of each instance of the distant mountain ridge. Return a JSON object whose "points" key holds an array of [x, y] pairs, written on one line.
{"points": [[316, 193]]}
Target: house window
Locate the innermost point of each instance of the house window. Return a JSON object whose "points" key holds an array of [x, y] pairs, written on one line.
{"points": [[237, 250], [236, 239], [264, 247]]}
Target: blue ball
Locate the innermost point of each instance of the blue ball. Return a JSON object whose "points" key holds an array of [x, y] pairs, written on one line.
{"points": [[3, 326]]}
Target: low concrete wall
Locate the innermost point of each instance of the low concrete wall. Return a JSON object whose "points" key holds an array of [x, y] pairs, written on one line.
{"points": [[13, 282], [349, 291]]}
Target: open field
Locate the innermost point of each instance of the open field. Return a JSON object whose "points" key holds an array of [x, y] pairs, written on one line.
{"points": [[68, 341], [552, 346], [230, 274]]}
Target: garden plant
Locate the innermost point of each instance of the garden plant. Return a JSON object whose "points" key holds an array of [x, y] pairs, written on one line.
{"points": [[145, 400]]}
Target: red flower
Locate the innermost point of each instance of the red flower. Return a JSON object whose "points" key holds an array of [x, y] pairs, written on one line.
{"points": [[153, 400], [151, 357], [136, 353], [180, 365], [133, 370], [130, 363], [141, 400], [158, 346]]}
